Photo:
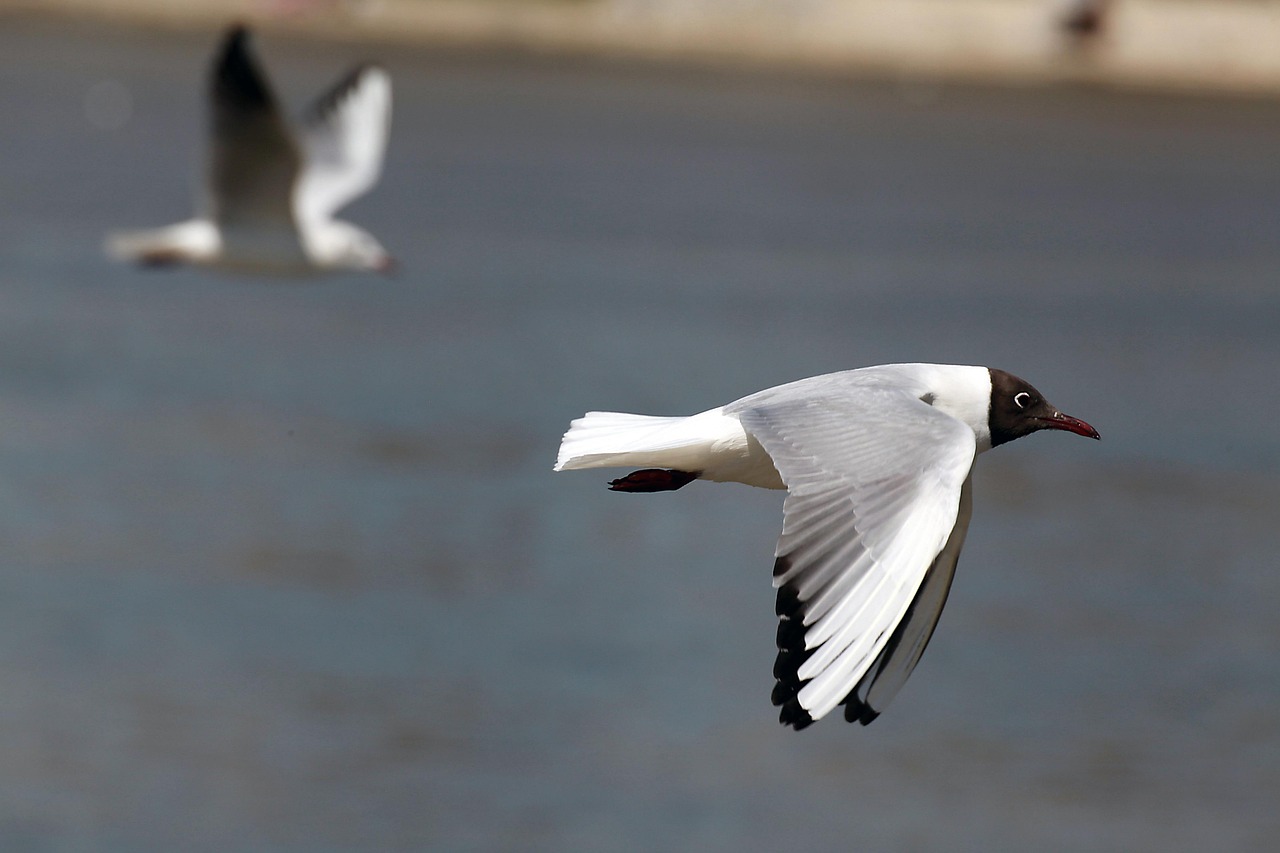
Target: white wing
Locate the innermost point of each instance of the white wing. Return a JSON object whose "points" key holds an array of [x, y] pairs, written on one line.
{"points": [[874, 476], [344, 136], [901, 654]]}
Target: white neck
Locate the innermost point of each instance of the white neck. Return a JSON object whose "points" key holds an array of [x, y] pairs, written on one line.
{"points": [[964, 392]]}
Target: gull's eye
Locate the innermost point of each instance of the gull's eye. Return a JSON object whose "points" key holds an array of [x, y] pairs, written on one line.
{"points": [[1022, 399]]}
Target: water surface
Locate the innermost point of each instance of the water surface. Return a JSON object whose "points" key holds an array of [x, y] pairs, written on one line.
{"points": [[284, 566]]}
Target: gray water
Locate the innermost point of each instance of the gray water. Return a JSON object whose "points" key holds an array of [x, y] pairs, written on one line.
{"points": [[283, 565]]}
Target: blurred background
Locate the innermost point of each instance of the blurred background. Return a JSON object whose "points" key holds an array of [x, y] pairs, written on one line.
{"points": [[283, 565]]}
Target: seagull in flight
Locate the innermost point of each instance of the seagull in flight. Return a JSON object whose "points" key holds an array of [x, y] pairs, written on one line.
{"points": [[272, 189], [878, 467]]}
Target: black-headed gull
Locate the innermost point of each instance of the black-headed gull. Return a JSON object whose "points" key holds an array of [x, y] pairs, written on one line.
{"points": [[877, 463], [271, 189]]}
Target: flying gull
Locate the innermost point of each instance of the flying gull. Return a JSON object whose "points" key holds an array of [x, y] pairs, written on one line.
{"points": [[877, 464], [271, 190]]}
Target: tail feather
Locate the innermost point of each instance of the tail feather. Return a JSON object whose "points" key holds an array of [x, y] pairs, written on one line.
{"points": [[190, 241], [128, 246], [607, 439]]}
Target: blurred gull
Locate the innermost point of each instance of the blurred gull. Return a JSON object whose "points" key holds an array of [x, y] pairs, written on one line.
{"points": [[271, 190], [878, 467]]}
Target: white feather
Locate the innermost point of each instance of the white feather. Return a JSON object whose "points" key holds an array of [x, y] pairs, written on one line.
{"points": [[711, 444]]}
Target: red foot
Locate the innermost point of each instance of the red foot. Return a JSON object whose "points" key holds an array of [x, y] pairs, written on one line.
{"points": [[652, 480], [160, 258]]}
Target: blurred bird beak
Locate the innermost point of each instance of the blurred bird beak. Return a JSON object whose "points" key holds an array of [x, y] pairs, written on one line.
{"points": [[388, 266]]}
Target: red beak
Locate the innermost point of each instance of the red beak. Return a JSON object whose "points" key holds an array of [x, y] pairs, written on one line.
{"points": [[1069, 424]]}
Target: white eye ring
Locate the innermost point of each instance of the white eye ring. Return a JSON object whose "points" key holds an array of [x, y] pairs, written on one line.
{"points": [[1021, 399]]}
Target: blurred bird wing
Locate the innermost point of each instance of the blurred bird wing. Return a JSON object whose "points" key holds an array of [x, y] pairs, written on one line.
{"points": [[874, 476], [344, 137], [253, 158]]}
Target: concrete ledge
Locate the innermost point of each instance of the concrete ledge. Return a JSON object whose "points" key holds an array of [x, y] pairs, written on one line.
{"points": [[1206, 45]]}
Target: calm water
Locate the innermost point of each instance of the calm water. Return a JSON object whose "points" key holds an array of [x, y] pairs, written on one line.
{"points": [[283, 565]]}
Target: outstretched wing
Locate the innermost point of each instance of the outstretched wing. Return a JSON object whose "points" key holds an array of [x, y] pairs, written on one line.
{"points": [[253, 161], [875, 476], [344, 136], [886, 676]]}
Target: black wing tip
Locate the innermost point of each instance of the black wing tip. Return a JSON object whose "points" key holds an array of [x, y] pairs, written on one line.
{"points": [[786, 664], [339, 91], [857, 711], [786, 669], [792, 714], [780, 567], [235, 45], [354, 75], [791, 656], [787, 603], [237, 82], [362, 68], [790, 638], [236, 33]]}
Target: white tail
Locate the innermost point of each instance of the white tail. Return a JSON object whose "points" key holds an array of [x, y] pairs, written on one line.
{"points": [[609, 439], [711, 444], [192, 241], [606, 439]]}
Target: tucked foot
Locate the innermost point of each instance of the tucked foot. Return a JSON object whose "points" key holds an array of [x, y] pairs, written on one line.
{"points": [[160, 259], [652, 480]]}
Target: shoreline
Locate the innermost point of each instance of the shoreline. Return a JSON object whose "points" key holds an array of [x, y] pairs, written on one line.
{"points": [[1195, 46]]}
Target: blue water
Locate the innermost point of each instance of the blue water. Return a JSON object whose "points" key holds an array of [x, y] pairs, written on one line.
{"points": [[283, 566]]}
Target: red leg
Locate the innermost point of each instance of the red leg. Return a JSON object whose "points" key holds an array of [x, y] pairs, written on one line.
{"points": [[653, 480]]}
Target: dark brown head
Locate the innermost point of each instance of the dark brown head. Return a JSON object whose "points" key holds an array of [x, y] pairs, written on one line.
{"points": [[1017, 409]]}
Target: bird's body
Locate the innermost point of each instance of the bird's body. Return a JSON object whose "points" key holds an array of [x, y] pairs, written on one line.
{"points": [[877, 466], [271, 188]]}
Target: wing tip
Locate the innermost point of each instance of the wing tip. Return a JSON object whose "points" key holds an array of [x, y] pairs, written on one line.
{"points": [[794, 715], [786, 669], [237, 80], [236, 32], [235, 44], [346, 85], [857, 711], [791, 656]]}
